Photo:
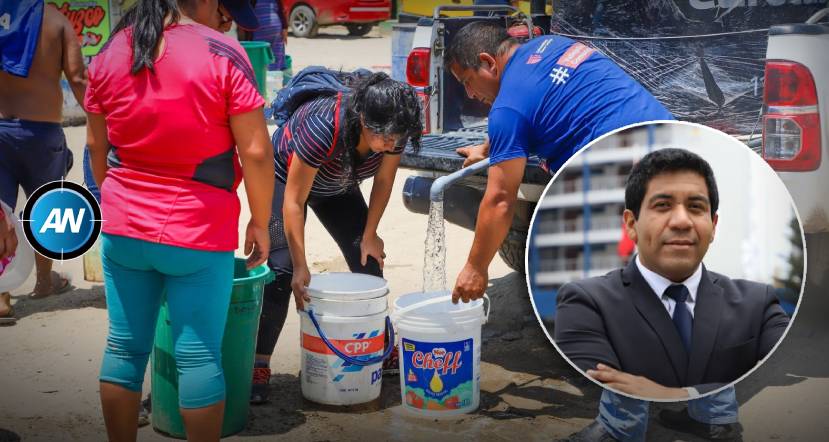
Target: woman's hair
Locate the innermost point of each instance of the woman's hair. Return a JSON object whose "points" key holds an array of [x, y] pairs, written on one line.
{"points": [[146, 18], [384, 106]]}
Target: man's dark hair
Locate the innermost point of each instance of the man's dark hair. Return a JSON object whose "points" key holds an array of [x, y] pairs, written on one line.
{"points": [[476, 38], [667, 161]]}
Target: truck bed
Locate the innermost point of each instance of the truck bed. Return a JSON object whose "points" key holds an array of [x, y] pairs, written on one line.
{"points": [[437, 153]]}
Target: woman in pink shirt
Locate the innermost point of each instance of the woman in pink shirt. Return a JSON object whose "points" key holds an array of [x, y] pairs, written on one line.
{"points": [[173, 108]]}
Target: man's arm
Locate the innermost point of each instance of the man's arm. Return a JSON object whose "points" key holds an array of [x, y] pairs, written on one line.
{"points": [[638, 386], [580, 331], [73, 68], [494, 220], [775, 321]]}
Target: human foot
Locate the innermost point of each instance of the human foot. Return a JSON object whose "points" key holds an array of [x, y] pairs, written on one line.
{"points": [[55, 285]]}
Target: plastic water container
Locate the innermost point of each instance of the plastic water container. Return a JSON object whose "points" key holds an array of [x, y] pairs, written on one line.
{"points": [[440, 353], [238, 350], [343, 338], [273, 84], [260, 55], [401, 44], [15, 271]]}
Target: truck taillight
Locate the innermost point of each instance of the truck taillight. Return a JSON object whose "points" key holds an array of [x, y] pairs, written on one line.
{"points": [[791, 121], [417, 67]]}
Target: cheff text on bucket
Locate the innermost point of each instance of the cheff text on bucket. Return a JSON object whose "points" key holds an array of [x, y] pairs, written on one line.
{"points": [[437, 359]]}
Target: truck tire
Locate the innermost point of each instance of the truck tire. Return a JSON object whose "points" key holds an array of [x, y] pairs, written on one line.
{"points": [[359, 30], [513, 248], [303, 22]]}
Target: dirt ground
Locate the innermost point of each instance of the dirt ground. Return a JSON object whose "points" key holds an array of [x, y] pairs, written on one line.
{"points": [[49, 361]]}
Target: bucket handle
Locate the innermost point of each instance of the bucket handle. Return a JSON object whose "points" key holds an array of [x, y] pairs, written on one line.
{"points": [[437, 300], [349, 359]]}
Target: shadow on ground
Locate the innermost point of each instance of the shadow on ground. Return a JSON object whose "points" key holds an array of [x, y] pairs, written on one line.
{"points": [[525, 376], [77, 298]]}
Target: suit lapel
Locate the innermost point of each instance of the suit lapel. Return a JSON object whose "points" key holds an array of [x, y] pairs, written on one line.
{"points": [[707, 311], [649, 306]]}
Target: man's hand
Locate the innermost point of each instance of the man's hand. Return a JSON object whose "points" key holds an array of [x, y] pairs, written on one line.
{"points": [[8, 237], [284, 37], [638, 386], [372, 245], [257, 245], [474, 153], [299, 284], [471, 284]]}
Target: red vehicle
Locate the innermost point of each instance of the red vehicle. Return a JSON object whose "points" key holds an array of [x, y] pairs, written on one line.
{"points": [[305, 17]]}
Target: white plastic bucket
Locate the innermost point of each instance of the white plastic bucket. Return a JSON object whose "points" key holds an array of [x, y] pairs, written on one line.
{"points": [[440, 353], [348, 314], [15, 271]]}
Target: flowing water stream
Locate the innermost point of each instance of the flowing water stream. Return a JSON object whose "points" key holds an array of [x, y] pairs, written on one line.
{"points": [[434, 260]]}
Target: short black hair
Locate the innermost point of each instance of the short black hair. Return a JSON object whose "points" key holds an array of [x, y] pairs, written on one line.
{"points": [[476, 38], [666, 161]]}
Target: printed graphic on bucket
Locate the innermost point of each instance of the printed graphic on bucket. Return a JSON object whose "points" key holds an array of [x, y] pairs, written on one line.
{"points": [[363, 346], [438, 375]]}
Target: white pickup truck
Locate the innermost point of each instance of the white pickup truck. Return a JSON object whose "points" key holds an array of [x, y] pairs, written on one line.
{"points": [[454, 120], [796, 127]]}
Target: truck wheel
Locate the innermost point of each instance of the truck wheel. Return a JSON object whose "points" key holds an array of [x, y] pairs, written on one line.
{"points": [[513, 248], [359, 30], [303, 22]]}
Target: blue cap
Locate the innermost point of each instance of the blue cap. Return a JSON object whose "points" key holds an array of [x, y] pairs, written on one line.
{"points": [[242, 13]]}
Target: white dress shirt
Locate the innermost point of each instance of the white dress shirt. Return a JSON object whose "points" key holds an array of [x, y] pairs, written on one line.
{"points": [[659, 284]]}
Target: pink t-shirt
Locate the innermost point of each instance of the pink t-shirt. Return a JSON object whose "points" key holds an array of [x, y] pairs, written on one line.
{"points": [[174, 168]]}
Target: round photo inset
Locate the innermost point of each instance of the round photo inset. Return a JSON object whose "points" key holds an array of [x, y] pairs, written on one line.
{"points": [[666, 261]]}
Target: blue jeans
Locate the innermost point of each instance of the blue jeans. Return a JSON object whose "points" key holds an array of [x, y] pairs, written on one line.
{"points": [[626, 419], [198, 285]]}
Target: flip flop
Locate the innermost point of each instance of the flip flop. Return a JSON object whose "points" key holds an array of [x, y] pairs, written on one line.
{"points": [[8, 318], [56, 278]]}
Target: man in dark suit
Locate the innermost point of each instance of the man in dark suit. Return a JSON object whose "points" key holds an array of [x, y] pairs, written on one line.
{"points": [[664, 327]]}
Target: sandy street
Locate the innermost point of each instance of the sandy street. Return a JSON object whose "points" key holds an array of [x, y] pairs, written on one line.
{"points": [[49, 360]]}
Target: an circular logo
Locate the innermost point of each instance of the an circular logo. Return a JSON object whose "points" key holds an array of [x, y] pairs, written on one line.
{"points": [[62, 220]]}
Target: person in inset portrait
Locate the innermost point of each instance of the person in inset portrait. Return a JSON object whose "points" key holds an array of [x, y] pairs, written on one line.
{"points": [[665, 327]]}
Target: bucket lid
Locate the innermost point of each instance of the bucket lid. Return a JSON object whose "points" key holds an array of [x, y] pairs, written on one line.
{"points": [[346, 286], [432, 304]]}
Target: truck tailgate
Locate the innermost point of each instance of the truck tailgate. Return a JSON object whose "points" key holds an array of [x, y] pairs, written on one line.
{"points": [[437, 153]]}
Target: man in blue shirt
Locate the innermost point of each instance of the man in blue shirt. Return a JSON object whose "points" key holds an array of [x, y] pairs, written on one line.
{"points": [[550, 97], [39, 45]]}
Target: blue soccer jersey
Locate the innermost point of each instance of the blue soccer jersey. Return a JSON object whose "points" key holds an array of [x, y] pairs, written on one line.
{"points": [[558, 95]]}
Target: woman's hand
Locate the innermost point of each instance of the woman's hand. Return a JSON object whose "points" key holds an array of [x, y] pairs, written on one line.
{"points": [[299, 284], [372, 245], [257, 245]]}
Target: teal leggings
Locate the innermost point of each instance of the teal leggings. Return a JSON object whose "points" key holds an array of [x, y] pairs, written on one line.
{"points": [[198, 285]]}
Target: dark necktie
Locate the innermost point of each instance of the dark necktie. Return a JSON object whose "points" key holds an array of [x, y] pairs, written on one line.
{"points": [[683, 321]]}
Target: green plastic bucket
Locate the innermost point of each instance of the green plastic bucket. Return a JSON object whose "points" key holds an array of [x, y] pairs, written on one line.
{"points": [[288, 72], [261, 56], [238, 350]]}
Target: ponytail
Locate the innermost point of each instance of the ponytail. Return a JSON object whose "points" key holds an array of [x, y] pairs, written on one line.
{"points": [[147, 19]]}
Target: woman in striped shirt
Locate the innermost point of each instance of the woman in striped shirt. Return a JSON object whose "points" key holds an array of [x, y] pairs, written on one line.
{"points": [[321, 154]]}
